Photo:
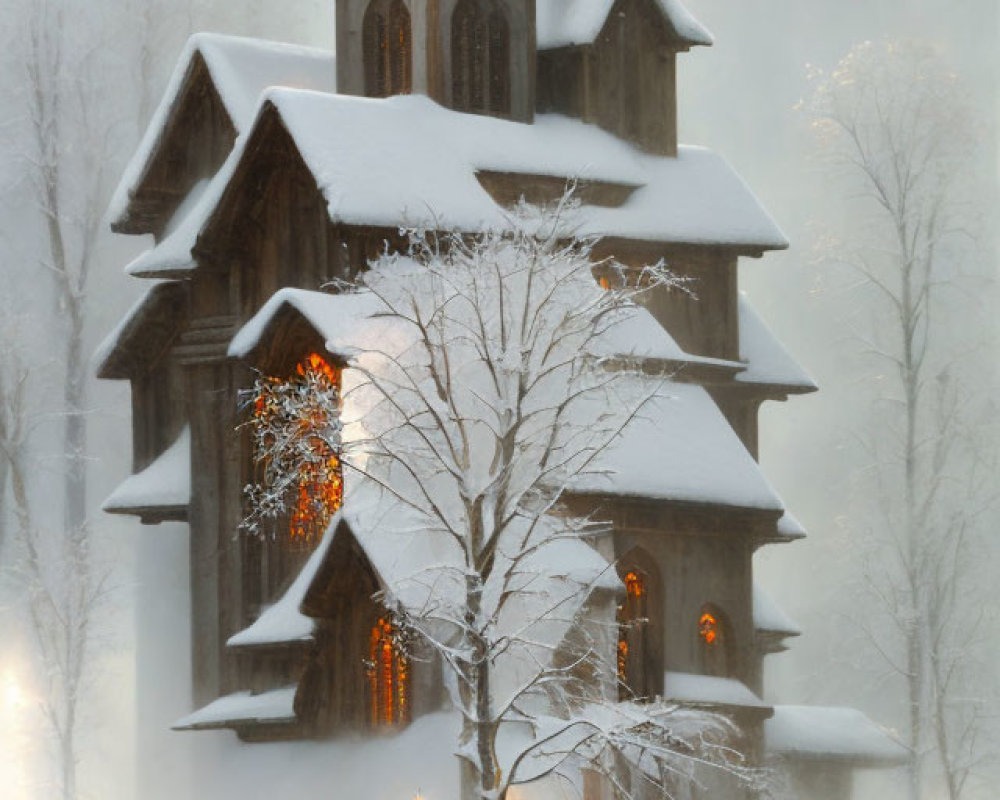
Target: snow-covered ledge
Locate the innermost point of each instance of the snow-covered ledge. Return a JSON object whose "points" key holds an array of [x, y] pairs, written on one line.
{"points": [[243, 709], [160, 492], [837, 734], [710, 692]]}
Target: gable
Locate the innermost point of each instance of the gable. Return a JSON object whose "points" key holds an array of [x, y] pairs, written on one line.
{"points": [[344, 572], [144, 334], [571, 23], [228, 74], [192, 142]]}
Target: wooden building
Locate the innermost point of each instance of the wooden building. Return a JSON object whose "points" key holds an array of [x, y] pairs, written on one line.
{"points": [[270, 170]]}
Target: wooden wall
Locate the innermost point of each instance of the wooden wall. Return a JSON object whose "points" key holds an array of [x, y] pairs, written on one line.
{"points": [[432, 58], [701, 555], [703, 320], [625, 81], [197, 138]]}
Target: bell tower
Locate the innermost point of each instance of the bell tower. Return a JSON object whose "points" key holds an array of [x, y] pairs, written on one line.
{"points": [[476, 56]]}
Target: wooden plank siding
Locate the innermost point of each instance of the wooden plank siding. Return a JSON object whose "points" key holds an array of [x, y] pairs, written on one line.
{"points": [[195, 140], [626, 81]]}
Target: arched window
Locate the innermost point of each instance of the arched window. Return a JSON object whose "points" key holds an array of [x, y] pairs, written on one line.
{"points": [[640, 628], [480, 58], [388, 677], [633, 624], [714, 641], [499, 62], [388, 49], [290, 415], [289, 499]]}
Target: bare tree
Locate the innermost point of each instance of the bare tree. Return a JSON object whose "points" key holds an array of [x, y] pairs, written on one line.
{"points": [[62, 148], [13, 422], [895, 128], [487, 391], [59, 606]]}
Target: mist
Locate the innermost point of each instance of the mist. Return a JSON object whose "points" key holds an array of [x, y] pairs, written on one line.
{"points": [[742, 98]]}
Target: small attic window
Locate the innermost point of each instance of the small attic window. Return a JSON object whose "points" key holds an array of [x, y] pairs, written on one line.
{"points": [[480, 58], [388, 49]]}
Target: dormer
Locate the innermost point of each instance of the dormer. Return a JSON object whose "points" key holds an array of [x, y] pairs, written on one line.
{"points": [[614, 63], [210, 100], [476, 56]]}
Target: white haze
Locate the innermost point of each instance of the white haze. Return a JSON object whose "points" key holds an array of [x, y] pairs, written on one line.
{"points": [[737, 97]]}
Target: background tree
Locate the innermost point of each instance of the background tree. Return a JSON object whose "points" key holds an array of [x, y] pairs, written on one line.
{"points": [[61, 150], [897, 136], [488, 389]]}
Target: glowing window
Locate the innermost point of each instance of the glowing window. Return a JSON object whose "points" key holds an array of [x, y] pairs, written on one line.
{"points": [[714, 643], [316, 491], [708, 629], [388, 678], [632, 635]]}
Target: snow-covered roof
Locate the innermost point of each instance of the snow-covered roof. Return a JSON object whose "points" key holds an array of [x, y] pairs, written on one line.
{"points": [[831, 734], [681, 448], [112, 357], [162, 489], [243, 708], [709, 690], [341, 320], [563, 23], [283, 622], [406, 160], [769, 617], [768, 362], [240, 69], [408, 558], [338, 318], [789, 527]]}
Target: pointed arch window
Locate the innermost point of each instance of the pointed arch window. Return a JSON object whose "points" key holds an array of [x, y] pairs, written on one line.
{"points": [[499, 40], [293, 408], [388, 677], [480, 58], [388, 49], [634, 651], [714, 641], [290, 415]]}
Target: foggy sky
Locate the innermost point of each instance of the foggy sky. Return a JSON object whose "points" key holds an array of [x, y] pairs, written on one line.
{"points": [[738, 98]]}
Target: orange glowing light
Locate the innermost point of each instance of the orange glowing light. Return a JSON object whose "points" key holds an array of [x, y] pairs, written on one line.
{"points": [[622, 659], [319, 488], [316, 364], [634, 585], [708, 628], [388, 678]]}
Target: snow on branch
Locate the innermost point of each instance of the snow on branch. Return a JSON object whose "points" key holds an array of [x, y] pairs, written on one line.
{"points": [[478, 393]]}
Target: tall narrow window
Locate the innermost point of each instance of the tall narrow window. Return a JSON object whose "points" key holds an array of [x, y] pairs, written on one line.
{"points": [[388, 678], [466, 27], [714, 642], [294, 479], [480, 58], [399, 51], [293, 416], [388, 49], [633, 623], [499, 39]]}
